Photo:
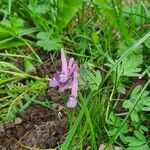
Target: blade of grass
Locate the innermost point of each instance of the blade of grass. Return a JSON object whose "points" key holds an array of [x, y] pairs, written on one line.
{"points": [[73, 130], [8, 65], [27, 43], [9, 7], [9, 80], [22, 75], [87, 114]]}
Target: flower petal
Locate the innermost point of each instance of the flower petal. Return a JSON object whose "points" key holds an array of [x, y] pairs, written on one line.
{"points": [[63, 78], [71, 62], [73, 69], [74, 84], [53, 82], [71, 102], [64, 86], [64, 62]]}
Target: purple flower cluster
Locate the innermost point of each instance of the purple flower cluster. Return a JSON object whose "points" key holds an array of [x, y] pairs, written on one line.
{"points": [[67, 78]]}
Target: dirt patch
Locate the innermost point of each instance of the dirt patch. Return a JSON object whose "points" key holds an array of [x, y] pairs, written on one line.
{"points": [[119, 108], [45, 69], [37, 127]]}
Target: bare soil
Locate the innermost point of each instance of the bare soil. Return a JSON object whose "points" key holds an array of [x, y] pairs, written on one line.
{"points": [[37, 127]]}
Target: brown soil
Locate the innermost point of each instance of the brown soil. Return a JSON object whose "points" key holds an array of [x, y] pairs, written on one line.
{"points": [[37, 127], [45, 69]]}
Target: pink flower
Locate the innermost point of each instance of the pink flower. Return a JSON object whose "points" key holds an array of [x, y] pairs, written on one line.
{"points": [[67, 78]]}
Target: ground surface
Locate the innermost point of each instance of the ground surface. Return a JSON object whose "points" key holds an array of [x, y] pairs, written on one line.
{"points": [[37, 127]]}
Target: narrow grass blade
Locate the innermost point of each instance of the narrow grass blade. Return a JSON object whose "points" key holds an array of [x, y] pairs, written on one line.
{"points": [[73, 130]]}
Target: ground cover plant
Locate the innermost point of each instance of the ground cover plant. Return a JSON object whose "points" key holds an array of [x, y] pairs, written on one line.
{"points": [[75, 75]]}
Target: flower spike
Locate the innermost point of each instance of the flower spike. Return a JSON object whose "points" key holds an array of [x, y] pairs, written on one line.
{"points": [[67, 78]]}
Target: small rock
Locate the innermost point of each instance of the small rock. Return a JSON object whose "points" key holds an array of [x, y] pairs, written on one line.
{"points": [[18, 120], [2, 130]]}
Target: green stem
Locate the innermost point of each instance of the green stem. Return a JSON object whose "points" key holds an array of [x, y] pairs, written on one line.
{"points": [[25, 41]]}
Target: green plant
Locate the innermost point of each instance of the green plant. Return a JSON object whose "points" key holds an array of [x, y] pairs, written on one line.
{"points": [[48, 42], [142, 105], [110, 41], [93, 80], [138, 141]]}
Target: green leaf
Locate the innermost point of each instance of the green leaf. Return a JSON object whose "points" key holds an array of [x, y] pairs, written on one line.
{"points": [[5, 30], [146, 108], [95, 37], [144, 128], [93, 87], [130, 139], [141, 147], [42, 8], [130, 66], [44, 35], [134, 116], [94, 79], [98, 77], [135, 91], [127, 104], [66, 10], [136, 143], [50, 45], [10, 42], [48, 42], [28, 65], [121, 88], [143, 104], [139, 135]]}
